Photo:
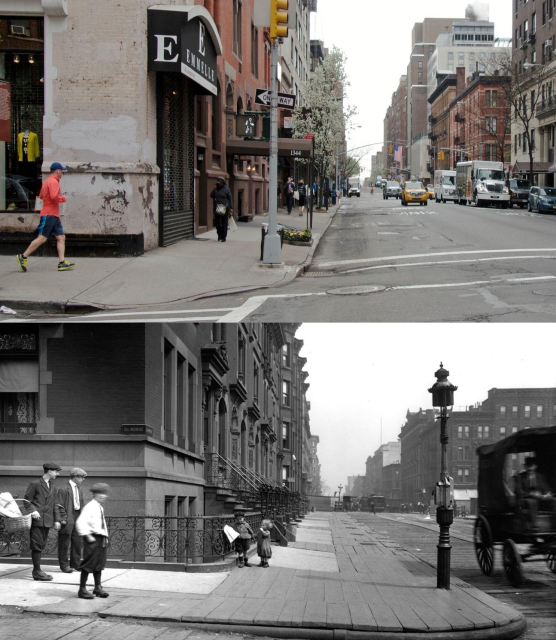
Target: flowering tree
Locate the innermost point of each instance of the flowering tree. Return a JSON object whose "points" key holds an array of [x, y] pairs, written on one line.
{"points": [[323, 113]]}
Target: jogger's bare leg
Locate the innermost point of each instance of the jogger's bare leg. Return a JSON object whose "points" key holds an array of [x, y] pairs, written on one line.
{"points": [[37, 242], [61, 247]]}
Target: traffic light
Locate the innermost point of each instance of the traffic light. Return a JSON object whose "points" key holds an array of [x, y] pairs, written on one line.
{"points": [[440, 155], [278, 19]]}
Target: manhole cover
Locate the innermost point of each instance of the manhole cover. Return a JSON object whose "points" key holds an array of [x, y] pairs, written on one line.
{"points": [[355, 291], [546, 291]]}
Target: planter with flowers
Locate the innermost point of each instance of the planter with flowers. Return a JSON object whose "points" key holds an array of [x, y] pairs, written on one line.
{"points": [[298, 238]]}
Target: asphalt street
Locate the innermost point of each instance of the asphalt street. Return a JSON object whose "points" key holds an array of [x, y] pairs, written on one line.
{"points": [[381, 262]]}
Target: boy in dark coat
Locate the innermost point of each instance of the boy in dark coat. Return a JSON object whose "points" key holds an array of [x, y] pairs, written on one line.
{"points": [[242, 542], [42, 495], [70, 502]]}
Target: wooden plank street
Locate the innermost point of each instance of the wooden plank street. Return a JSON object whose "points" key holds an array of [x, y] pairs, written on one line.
{"points": [[534, 599], [375, 583]]}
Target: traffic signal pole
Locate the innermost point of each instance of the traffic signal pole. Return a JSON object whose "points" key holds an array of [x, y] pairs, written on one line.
{"points": [[272, 252]]}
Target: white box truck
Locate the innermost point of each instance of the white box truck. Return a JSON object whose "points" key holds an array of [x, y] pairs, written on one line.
{"points": [[444, 185], [482, 183]]}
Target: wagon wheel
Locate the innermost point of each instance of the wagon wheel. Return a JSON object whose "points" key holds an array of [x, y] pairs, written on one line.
{"points": [[551, 561], [512, 563], [483, 545]]}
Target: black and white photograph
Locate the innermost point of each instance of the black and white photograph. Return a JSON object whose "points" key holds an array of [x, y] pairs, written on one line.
{"points": [[277, 303]]}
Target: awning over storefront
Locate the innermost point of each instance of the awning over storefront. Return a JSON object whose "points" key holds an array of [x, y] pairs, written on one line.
{"points": [[464, 494], [184, 40], [287, 147], [538, 167]]}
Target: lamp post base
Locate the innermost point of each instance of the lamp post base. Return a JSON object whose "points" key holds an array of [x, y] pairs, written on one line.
{"points": [[444, 518]]}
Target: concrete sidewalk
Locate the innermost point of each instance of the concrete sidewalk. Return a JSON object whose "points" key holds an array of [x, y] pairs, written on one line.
{"points": [[186, 270], [339, 580]]}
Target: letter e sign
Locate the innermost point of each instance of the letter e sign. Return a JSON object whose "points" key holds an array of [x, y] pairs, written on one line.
{"points": [[162, 48], [202, 30]]}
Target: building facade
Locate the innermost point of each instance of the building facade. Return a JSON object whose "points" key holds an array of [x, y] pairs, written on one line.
{"points": [[505, 411], [534, 41], [142, 155], [167, 423]]}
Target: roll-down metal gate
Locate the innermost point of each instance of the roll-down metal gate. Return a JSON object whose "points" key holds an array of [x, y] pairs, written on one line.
{"points": [[175, 151]]}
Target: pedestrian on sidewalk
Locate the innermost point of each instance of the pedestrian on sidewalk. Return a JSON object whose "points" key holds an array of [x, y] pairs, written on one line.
{"points": [[334, 195], [302, 189], [49, 223], [243, 541], [373, 508], [326, 194], [43, 497], [223, 208], [289, 190], [70, 503], [92, 526], [264, 549]]}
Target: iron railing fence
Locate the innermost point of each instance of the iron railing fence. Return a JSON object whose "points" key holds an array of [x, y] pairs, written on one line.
{"points": [[192, 539]]}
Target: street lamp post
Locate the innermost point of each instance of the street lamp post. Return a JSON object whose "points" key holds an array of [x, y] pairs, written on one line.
{"points": [[340, 487], [443, 397]]}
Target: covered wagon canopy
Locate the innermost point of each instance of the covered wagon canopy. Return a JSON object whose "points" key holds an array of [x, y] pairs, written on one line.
{"points": [[522, 441]]}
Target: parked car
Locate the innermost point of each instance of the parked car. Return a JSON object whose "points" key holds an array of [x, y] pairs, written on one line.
{"points": [[542, 199], [392, 189], [414, 192], [519, 191], [430, 189]]}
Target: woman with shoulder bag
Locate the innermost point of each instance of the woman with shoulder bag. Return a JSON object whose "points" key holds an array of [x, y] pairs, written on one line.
{"points": [[302, 196], [223, 206]]}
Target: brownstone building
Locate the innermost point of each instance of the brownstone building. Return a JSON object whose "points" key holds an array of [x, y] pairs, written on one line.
{"points": [[170, 415]]}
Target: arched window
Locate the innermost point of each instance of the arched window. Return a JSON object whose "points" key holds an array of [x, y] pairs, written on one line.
{"points": [[239, 105]]}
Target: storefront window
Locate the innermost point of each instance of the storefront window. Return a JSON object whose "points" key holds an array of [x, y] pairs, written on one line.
{"points": [[21, 112]]}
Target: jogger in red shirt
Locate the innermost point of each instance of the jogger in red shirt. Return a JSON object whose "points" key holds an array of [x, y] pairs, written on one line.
{"points": [[50, 223]]}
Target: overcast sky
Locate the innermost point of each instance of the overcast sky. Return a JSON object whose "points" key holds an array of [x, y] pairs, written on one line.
{"points": [[376, 37], [365, 374]]}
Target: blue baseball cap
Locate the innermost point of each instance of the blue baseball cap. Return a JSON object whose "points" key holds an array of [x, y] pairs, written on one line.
{"points": [[57, 165]]}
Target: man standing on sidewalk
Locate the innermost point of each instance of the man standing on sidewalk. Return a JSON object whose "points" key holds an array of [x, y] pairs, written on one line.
{"points": [[70, 503], [49, 223], [92, 526], [42, 496]]}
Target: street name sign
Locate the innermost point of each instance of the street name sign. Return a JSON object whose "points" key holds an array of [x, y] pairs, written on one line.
{"points": [[285, 100]]}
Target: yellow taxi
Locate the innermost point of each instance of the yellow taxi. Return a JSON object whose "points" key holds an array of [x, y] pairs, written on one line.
{"points": [[414, 191]]}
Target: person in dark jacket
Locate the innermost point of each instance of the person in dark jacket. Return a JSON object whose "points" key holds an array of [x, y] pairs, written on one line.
{"points": [[42, 495], [302, 188], [289, 190], [70, 503], [222, 196]]}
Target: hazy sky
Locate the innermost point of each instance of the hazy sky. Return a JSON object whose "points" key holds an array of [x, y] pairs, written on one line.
{"points": [[362, 374], [376, 37]]}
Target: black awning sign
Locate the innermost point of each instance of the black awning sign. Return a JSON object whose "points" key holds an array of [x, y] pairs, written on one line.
{"points": [[185, 42]]}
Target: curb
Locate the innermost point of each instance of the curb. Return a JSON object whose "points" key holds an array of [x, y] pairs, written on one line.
{"points": [[508, 632], [68, 307], [208, 567]]}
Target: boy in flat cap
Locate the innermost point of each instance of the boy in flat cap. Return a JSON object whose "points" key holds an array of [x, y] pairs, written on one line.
{"points": [[70, 503], [42, 495], [92, 526]]}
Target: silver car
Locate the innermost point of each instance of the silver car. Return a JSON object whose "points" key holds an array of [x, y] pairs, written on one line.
{"points": [[392, 189]]}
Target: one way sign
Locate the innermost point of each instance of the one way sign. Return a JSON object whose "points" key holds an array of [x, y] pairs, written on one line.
{"points": [[285, 100]]}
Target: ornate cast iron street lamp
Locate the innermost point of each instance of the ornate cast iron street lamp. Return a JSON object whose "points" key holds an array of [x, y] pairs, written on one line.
{"points": [[443, 397]]}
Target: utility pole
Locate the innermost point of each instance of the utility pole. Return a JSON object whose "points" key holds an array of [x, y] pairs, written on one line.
{"points": [[272, 253]]}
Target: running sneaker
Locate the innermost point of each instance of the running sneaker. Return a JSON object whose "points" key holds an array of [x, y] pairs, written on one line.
{"points": [[21, 261], [65, 266]]}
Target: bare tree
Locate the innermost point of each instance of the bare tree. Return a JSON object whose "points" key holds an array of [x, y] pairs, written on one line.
{"points": [[523, 93]]}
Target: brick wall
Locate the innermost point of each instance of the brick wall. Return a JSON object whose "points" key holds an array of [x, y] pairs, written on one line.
{"points": [[102, 387]]}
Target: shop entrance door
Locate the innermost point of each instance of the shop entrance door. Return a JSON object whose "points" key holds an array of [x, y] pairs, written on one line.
{"points": [[175, 158]]}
